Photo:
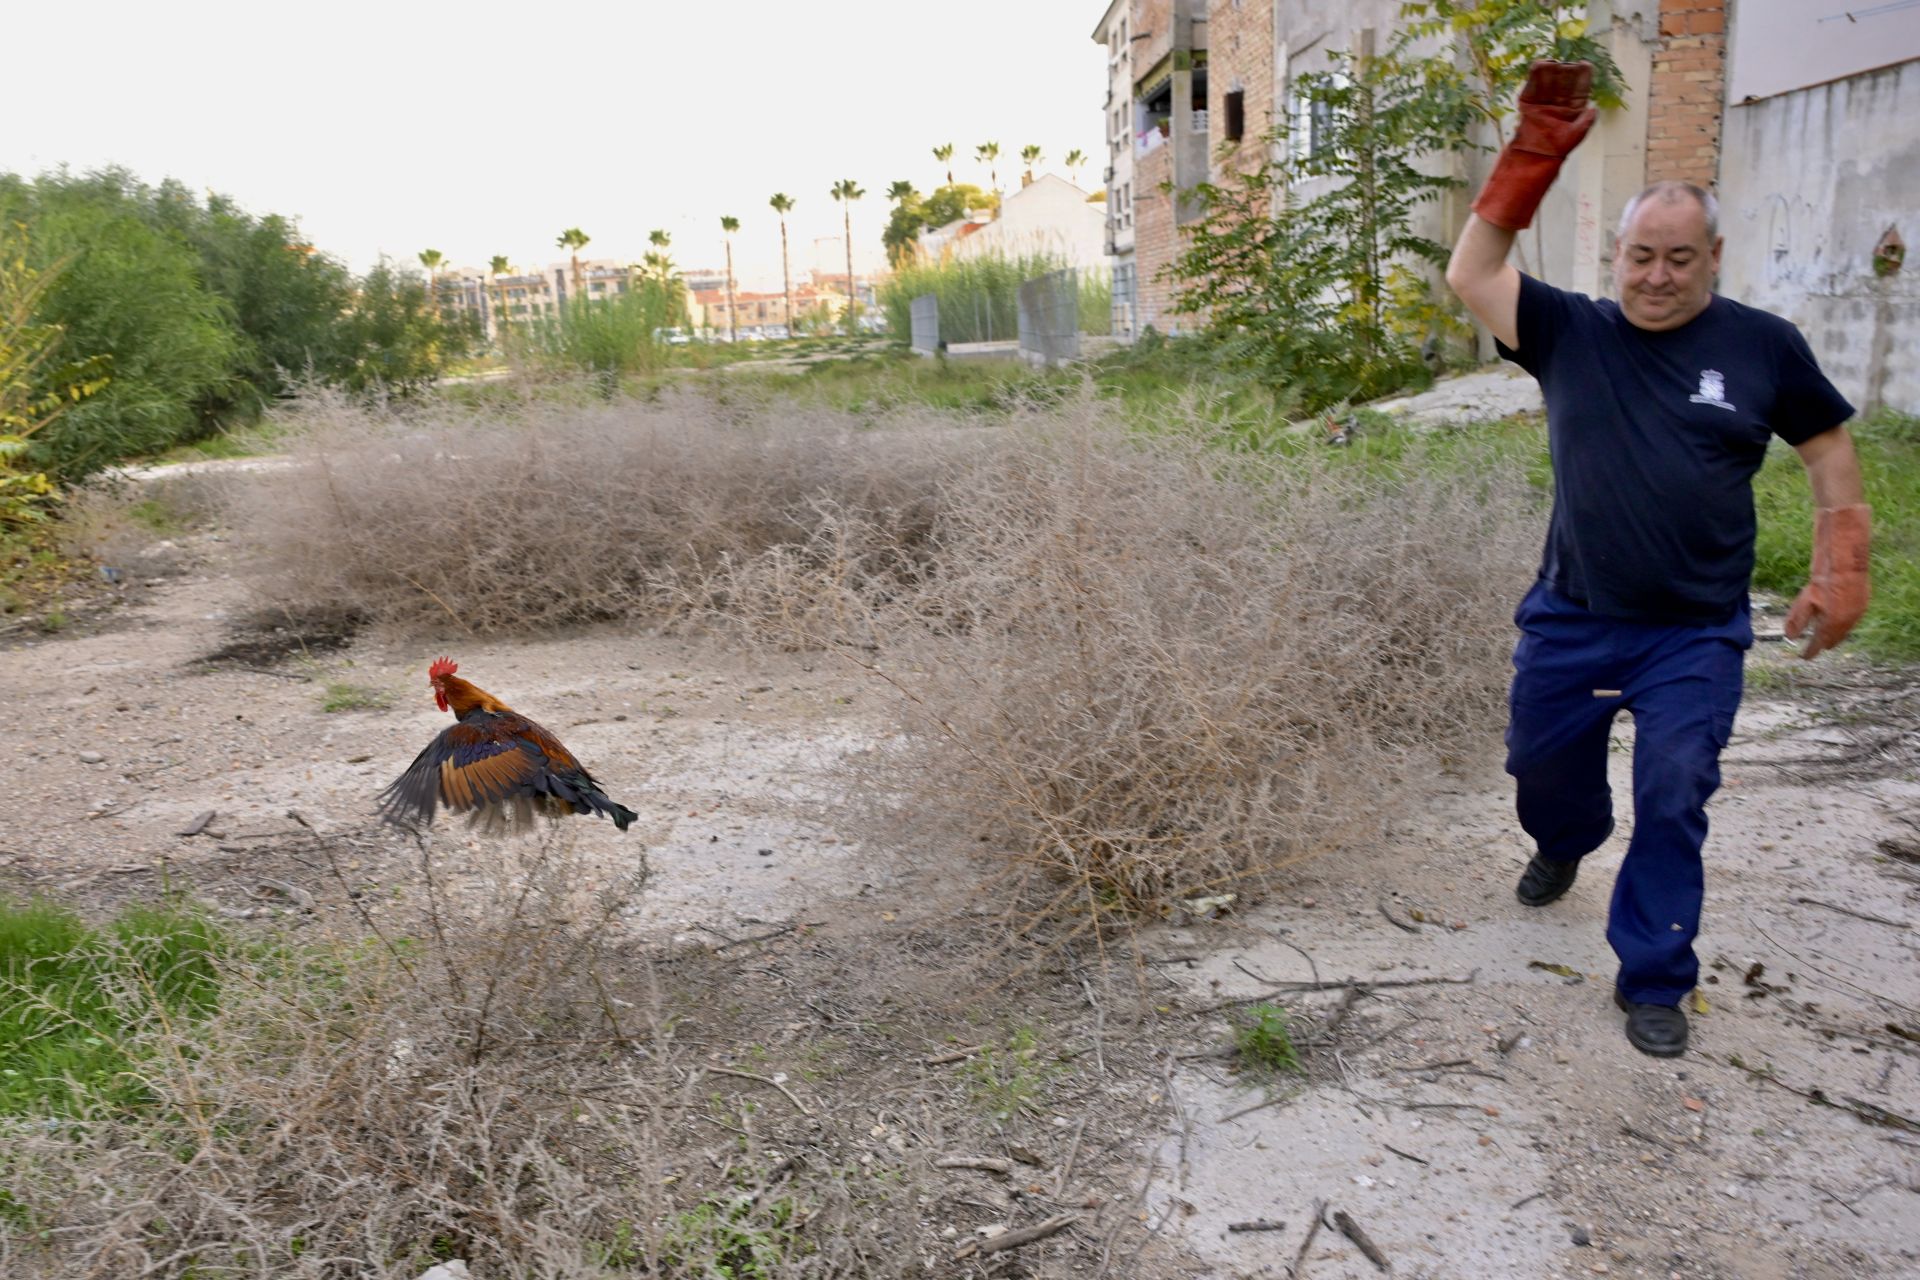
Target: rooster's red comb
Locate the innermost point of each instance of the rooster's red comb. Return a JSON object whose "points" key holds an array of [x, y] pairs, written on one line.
{"points": [[442, 667]]}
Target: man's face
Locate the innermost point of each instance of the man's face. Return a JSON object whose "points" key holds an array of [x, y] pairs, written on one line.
{"points": [[1664, 266]]}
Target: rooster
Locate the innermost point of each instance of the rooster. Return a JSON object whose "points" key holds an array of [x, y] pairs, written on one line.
{"points": [[495, 763]]}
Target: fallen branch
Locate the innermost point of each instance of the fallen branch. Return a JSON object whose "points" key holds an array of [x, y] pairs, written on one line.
{"points": [[1866, 1111], [1258, 1106], [1360, 984], [986, 1164], [1299, 1267], [942, 1059], [1066, 1165], [1351, 1230], [766, 1080], [782, 931], [1258, 1224], [1396, 921], [1406, 1155], [1857, 915], [1014, 1239]]}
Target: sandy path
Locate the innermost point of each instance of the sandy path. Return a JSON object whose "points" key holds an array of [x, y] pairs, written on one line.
{"points": [[1520, 1152]]}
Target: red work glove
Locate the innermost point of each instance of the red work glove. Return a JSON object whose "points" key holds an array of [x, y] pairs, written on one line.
{"points": [[1554, 116], [1836, 593]]}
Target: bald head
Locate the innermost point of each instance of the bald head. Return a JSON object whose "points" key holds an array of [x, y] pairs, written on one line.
{"points": [[1673, 192], [1667, 255]]}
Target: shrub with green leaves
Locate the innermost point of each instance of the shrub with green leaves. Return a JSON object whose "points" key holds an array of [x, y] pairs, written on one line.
{"points": [[1262, 1041]]}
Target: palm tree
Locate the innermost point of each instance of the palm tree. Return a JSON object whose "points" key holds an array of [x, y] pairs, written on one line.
{"points": [[782, 204], [1030, 156], [944, 154], [986, 153], [1076, 160], [846, 191], [658, 268], [728, 226], [573, 239], [432, 259], [500, 266], [901, 190]]}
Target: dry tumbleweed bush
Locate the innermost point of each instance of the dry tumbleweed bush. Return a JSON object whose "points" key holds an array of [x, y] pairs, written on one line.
{"points": [[1140, 665], [1150, 670], [559, 514]]}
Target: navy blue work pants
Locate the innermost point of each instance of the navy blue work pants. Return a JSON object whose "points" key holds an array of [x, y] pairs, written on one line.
{"points": [[1573, 672]]}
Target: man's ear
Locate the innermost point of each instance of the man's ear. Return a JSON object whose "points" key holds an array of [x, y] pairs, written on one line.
{"points": [[1718, 243]]}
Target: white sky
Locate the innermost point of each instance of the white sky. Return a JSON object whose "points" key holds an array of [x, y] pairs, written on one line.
{"points": [[482, 127]]}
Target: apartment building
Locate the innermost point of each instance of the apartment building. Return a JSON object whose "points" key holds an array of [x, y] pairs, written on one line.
{"points": [[1204, 86], [1115, 34]]}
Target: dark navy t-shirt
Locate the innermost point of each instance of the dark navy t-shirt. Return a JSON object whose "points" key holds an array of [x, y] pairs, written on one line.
{"points": [[1655, 438]]}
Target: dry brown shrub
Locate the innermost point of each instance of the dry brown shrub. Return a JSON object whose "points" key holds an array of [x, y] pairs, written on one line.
{"points": [[1148, 670], [554, 514], [1141, 666], [507, 1088]]}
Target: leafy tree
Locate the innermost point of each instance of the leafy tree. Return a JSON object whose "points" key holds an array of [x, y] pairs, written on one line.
{"points": [[395, 338], [913, 215], [1502, 39], [132, 292], [35, 387], [1303, 295], [782, 204], [573, 240], [846, 191], [728, 226]]}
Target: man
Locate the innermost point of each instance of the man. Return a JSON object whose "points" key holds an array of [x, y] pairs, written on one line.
{"points": [[1660, 404]]}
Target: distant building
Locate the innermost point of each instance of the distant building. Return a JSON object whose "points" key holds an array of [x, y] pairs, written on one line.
{"points": [[1798, 115], [1048, 216], [1115, 34]]}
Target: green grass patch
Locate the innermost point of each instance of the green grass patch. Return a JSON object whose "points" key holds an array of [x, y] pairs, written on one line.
{"points": [[1889, 447], [734, 1238], [78, 1004], [1263, 1042], [344, 696]]}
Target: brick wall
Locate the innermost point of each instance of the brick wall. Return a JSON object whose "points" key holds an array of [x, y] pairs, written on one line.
{"points": [[1240, 56], [1688, 92], [1155, 238]]}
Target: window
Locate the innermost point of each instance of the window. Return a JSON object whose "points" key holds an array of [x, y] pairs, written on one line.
{"points": [[1235, 124], [1313, 122]]}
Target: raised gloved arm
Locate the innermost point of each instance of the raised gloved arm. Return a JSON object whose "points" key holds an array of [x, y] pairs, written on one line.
{"points": [[1554, 116], [1837, 590]]}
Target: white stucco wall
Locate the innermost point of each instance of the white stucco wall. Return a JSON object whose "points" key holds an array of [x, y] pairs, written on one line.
{"points": [[1050, 216], [1809, 181]]}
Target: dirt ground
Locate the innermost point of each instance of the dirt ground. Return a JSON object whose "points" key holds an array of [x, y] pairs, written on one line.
{"points": [[1472, 1111]]}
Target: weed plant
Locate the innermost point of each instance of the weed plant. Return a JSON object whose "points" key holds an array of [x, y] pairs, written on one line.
{"points": [[479, 1070], [1262, 1041], [82, 1009]]}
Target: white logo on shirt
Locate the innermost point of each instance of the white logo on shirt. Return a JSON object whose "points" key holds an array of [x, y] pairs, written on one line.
{"points": [[1713, 390]]}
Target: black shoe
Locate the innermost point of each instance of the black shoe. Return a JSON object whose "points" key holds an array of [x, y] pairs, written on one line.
{"points": [[1658, 1029], [1544, 880]]}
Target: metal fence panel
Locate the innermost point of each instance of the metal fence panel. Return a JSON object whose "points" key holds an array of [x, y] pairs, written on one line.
{"points": [[1050, 317], [926, 323]]}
